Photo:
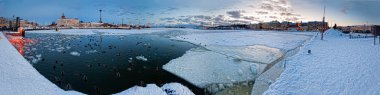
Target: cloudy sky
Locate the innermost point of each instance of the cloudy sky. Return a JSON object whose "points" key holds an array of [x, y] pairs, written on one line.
{"points": [[217, 12]]}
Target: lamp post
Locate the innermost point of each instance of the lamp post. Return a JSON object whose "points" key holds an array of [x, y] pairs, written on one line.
{"points": [[323, 22]]}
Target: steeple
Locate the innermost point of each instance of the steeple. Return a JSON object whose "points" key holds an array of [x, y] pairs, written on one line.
{"points": [[63, 16]]}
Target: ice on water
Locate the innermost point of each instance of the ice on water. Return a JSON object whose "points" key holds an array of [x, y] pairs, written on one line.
{"points": [[255, 53], [142, 58], [75, 53]]}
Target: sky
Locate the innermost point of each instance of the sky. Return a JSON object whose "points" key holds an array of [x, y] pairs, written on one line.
{"points": [[197, 12]]}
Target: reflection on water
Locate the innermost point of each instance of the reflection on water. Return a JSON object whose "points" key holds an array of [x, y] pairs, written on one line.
{"points": [[96, 64], [19, 42]]}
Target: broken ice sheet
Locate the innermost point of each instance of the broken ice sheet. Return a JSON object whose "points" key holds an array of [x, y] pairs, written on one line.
{"points": [[142, 58]]}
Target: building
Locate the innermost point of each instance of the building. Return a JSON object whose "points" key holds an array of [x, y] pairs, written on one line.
{"points": [[3, 22], [91, 25], [316, 25], [273, 25], [28, 25], [376, 30], [254, 26], [361, 29], [67, 22]]}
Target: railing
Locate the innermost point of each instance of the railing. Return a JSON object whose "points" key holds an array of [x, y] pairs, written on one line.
{"points": [[359, 36]]}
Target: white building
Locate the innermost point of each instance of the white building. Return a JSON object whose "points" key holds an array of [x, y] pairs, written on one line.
{"points": [[67, 22]]}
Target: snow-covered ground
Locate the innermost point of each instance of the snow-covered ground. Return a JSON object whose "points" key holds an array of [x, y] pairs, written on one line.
{"points": [[337, 65], [234, 56], [152, 89], [18, 77]]}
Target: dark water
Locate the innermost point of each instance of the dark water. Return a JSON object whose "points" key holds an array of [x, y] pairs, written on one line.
{"points": [[112, 68]]}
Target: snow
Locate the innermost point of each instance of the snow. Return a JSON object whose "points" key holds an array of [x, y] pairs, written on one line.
{"points": [[152, 89], [337, 65], [18, 77], [176, 89], [148, 90]]}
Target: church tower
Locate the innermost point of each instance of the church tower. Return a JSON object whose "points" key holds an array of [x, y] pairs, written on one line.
{"points": [[63, 16]]}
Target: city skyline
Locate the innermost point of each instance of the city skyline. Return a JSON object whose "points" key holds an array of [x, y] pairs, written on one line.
{"points": [[342, 12]]}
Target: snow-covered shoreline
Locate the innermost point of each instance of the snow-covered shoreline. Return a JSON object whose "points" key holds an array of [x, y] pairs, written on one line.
{"points": [[263, 81], [336, 65], [20, 78]]}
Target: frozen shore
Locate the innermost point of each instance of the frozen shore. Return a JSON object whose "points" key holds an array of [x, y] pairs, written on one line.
{"points": [[336, 65]]}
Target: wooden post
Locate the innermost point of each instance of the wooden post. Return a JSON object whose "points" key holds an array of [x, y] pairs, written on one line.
{"points": [[374, 40], [322, 35], [23, 33]]}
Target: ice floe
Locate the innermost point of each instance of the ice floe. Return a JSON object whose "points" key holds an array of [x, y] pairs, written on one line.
{"points": [[255, 53], [74, 53], [203, 68], [91, 51], [142, 58]]}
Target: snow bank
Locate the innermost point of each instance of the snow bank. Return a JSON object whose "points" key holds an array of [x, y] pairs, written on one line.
{"points": [[152, 89], [148, 90], [176, 89], [333, 34], [336, 66], [18, 77]]}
